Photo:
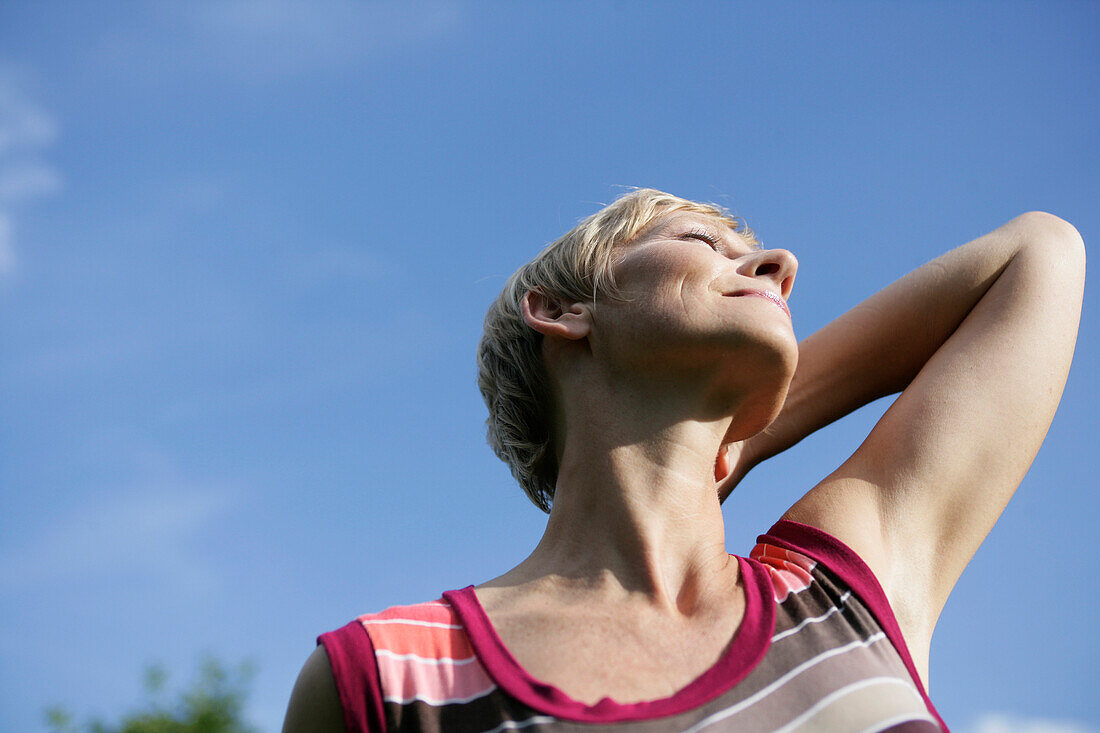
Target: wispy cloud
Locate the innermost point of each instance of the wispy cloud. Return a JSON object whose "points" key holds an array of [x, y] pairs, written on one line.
{"points": [[26, 132], [262, 40], [24, 181], [197, 194], [1007, 723], [148, 531], [7, 249], [23, 124], [324, 266]]}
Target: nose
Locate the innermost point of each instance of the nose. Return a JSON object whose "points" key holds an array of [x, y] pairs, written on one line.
{"points": [[777, 265]]}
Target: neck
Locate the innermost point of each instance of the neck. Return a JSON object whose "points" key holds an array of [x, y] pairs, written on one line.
{"points": [[636, 511]]}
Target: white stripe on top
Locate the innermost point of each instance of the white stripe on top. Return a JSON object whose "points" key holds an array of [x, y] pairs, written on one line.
{"points": [[424, 660], [837, 694], [431, 701], [514, 725], [411, 622], [835, 609], [761, 694]]}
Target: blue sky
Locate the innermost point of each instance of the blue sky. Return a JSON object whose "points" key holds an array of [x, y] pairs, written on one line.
{"points": [[246, 247]]}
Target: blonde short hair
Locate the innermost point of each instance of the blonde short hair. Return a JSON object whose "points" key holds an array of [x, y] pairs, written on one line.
{"points": [[512, 375]]}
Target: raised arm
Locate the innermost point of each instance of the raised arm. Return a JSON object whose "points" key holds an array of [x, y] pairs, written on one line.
{"points": [[979, 342]]}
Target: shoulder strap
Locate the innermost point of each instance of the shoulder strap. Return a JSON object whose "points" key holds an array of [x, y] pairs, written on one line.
{"points": [[355, 669]]}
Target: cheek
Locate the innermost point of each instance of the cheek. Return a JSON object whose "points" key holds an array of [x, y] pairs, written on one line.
{"points": [[665, 273]]}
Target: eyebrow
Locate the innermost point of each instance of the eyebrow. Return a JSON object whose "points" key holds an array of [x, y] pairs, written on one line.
{"points": [[722, 227]]}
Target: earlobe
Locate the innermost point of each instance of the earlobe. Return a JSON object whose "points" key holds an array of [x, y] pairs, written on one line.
{"points": [[722, 466], [551, 317]]}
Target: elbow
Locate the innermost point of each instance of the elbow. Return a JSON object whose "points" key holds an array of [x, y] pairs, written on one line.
{"points": [[1059, 239]]}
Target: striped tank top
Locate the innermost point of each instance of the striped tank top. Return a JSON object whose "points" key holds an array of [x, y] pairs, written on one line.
{"points": [[818, 650]]}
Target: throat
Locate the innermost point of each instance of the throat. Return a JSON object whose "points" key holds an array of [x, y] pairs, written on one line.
{"points": [[619, 547]]}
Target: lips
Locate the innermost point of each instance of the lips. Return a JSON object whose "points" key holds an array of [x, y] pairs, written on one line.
{"points": [[766, 294]]}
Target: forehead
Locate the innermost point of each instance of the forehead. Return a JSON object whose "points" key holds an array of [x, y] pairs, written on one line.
{"points": [[680, 216]]}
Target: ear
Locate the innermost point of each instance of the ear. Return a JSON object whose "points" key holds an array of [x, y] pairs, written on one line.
{"points": [[722, 465], [553, 317], [731, 465]]}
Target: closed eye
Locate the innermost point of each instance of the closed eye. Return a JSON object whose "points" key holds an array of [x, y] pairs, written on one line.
{"points": [[703, 236]]}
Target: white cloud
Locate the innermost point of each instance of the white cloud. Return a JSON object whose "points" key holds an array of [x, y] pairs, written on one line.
{"points": [[1006, 723], [7, 252], [25, 131], [23, 124]]}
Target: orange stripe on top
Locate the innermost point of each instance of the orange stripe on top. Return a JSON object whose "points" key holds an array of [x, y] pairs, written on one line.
{"points": [[428, 630], [436, 611], [789, 570], [423, 653]]}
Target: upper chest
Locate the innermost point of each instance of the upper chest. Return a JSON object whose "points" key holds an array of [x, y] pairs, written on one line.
{"points": [[622, 654]]}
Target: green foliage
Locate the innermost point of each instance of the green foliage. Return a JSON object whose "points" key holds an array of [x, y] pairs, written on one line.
{"points": [[213, 704]]}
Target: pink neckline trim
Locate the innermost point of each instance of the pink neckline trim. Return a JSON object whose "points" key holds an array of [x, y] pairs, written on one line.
{"points": [[749, 645]]}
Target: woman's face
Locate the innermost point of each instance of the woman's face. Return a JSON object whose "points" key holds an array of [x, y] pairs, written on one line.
{"points": [[697, 298]]}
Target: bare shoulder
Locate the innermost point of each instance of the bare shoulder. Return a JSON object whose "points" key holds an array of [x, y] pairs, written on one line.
{"points": [[315, 704]]}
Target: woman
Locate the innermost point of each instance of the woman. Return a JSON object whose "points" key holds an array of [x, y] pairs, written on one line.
{"points": [[635, 371]]}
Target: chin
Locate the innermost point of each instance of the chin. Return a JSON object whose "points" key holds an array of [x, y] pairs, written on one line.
{"points": [[771, 353], [764, 374]]}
